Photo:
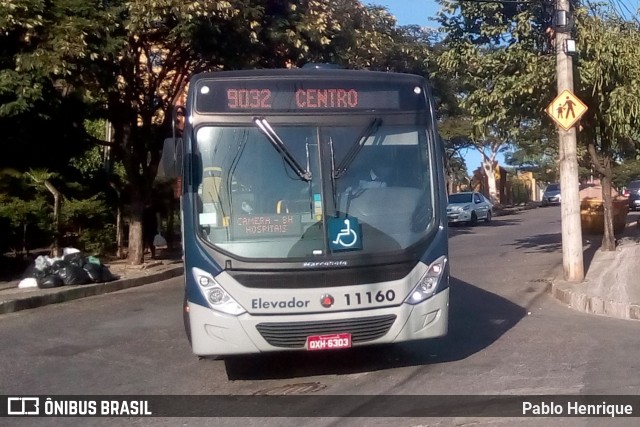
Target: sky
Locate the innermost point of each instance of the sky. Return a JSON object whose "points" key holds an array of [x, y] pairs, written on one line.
{"points": [[419, 12], [410, 11]]}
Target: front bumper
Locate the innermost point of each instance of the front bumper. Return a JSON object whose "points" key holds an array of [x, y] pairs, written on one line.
{"points": [[462, 216], [555, 200], [217, 334]]}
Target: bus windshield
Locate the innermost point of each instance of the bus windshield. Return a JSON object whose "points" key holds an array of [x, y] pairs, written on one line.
{"points": [[252, 203]]}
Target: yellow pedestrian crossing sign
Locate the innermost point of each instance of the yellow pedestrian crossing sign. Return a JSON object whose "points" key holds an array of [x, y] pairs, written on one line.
{"points": [[566, 109]]}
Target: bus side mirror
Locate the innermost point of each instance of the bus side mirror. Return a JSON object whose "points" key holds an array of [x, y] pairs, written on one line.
{"points": [[171, 160]]}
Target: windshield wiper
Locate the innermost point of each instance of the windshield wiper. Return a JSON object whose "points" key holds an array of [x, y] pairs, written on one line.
{"points": [[356, 147], [277, 143]]}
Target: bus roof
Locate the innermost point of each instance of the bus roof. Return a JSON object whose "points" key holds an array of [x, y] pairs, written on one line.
{"points": [[309, 72]]}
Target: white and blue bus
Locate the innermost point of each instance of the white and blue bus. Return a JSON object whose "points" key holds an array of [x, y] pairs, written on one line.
{"points": [[313, 211]]}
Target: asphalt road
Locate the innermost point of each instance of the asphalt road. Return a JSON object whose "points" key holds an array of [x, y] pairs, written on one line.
{"points": [[507, 336]]}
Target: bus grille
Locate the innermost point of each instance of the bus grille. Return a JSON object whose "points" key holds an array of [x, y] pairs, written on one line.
{"points": [[296, 279], [294, 334]]}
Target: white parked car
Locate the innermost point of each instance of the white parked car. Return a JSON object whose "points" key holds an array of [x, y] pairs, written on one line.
{"points": [[468, 207]]}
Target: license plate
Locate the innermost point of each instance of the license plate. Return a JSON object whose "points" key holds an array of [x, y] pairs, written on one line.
{"points": [[328, 342]]}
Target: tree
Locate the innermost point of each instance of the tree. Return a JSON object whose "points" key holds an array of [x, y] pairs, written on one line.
{"points": [[627, 171], [344, 32], [25, 211], [80, 217], [44, 178], [496, 50], [454, 132], [610, 76], [159, 45], [536, 151], [34, 111], [97, 165], [128, 61], [456, 170]]}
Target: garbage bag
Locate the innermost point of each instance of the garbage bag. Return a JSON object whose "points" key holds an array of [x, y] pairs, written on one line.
{"points": [[39, 275], [50, 281], [28, 282], [58, 265], [158, 240], [56, 268], [93, 260], [43, 262], [94, 271], [107, 276], [74, 275], [75, 258], [32, 272], [68, 251]]}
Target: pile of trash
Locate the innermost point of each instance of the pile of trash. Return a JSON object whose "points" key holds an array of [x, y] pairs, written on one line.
{"points": [[73, 268]]}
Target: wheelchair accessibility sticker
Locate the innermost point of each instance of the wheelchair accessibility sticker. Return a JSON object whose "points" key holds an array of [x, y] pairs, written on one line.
{"points": [[344, 234]]}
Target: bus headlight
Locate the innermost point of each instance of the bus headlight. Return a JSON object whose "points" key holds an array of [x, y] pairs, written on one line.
{"points": [[428, 283], [215, 294]]}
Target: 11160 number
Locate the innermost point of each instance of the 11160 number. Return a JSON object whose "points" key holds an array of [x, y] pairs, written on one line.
{"points": [[370, 297]]}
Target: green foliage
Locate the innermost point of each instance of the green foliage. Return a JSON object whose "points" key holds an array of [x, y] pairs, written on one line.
{"points": [[83, 213], [520, 192], [96, 128], [536, 151], [496, 54], [90, 163], [609, 73], [625, 172], [66, 66], [26, 222], [37, 177], [88, 224], [20, 212], [455, 133], [25, 204], [97, 241]]}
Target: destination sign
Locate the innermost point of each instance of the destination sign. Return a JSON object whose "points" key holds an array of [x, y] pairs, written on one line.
{"points": [[266, 226], [242, 99], [261, 95]]}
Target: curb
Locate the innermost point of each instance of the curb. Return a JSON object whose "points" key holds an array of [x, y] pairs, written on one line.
{"points": [[512, 210], [64, 294], [580, 301], [607, 288]]}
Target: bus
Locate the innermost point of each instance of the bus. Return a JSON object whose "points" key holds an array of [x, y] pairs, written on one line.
{"points": [[313, 211]]}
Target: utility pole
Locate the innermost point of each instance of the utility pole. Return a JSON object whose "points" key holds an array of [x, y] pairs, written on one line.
{"points": [[572, 255]]}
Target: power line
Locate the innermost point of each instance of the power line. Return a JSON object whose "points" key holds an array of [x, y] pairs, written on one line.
{"points": [[632, 14], [617, 8], [625, 6]]}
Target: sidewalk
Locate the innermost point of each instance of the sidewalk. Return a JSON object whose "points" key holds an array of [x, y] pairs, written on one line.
{"points": [[167, 265], [499, 210], [612, 281]]}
